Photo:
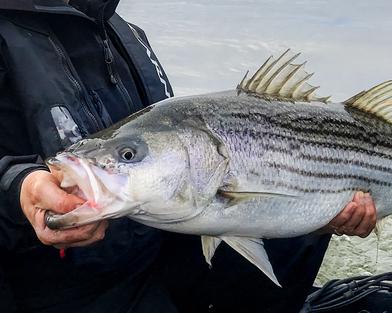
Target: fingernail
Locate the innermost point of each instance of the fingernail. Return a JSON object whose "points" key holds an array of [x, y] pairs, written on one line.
{"points": [[360, 194]]}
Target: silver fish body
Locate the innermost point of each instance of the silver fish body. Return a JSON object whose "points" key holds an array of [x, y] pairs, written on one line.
{"points": [[268, 160], [317, 155]]}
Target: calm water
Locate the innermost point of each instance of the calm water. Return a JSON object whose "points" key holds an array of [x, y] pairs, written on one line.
{"points": [[208, 45]]}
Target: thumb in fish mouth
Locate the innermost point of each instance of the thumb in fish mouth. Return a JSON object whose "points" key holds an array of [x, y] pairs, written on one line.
{"points": [[54, 168]]}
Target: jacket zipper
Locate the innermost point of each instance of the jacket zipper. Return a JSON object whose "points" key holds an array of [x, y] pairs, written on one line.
{"points": [[139, 84], [115, 78], [109, 60], [75, 83]]}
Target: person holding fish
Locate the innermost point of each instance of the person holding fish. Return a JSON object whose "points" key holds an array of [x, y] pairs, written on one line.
{"points": [[70, 70]]}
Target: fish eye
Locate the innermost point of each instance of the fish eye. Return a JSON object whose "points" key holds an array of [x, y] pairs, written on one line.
{"points": [[127, 154]]}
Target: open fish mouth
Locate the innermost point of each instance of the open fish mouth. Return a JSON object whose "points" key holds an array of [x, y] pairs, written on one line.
{"points": [[91, 183]]}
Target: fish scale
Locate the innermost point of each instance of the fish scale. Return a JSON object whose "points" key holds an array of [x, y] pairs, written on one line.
{"points": [[268, 160], [280, 166]]}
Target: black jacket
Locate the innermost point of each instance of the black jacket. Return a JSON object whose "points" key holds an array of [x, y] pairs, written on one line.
{"points": [[66, 73]]}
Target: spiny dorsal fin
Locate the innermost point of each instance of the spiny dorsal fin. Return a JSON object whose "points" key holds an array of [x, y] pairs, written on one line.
{"points": [[377, 100], [279, 79]]}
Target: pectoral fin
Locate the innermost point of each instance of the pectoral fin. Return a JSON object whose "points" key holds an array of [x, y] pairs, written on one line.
{"points": [[253, 250], [209, 246], [239, 196]]}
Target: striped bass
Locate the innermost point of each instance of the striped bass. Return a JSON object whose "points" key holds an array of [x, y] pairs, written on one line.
{"points": [[268, 160]]}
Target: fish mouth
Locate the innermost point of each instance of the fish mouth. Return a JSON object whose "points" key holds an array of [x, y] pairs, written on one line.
{"points": [[101, 189]]}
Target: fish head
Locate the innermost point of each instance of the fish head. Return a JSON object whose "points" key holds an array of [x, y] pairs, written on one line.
{"points": [[144, 175]]}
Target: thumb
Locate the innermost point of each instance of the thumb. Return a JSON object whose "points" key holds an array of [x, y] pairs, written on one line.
{"points": [[55, 199]]}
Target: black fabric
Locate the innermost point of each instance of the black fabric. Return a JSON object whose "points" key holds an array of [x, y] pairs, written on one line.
{"points": [[96, 8], [233, 284], [86, 52], [42, 69], [55, 58]]}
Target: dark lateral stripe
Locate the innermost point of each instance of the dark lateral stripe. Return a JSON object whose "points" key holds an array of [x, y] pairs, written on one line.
{"points": [[309, 190], [328, 175], [331, 127], [330, 160], [272, 135]]}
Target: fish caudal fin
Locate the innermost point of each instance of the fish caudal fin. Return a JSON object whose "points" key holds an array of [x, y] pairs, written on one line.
{"points": [[209, 245], [250, 248], [280, 79], [377, 101]]}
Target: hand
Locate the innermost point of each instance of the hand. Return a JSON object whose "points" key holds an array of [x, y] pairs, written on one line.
{"points": [[41, 191], [358, 218]]}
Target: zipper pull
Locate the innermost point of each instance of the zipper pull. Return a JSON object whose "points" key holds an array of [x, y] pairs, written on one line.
{"points": [[109, 60], [108, 52]]}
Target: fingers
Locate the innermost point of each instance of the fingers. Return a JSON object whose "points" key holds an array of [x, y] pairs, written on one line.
{"points": [[40, 191], [78, 236], [98, 235], [358, 218], [369, 217], [350, 227], [344, 216], [51, 196]]}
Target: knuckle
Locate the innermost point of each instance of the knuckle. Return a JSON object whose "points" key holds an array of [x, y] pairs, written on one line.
{"points": [[344, 218], [89, 231], [44, 240], [60, 203], [369, 214], [341, 216], [86, 234], [68, 237], [35, 194], [361, 206]]}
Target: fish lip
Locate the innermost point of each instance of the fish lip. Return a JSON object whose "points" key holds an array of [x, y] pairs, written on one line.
{"points": [[53, 161], [55, 221]]}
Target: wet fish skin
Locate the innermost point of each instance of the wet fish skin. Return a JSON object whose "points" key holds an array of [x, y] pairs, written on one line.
{"points": [[234, 166], [317, 154]]}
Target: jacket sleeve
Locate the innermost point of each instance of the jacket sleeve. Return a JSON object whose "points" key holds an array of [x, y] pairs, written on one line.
{"points": [[16, 159]]}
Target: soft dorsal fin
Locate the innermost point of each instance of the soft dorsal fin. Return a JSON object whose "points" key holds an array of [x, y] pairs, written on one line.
{"points": [[377, 100], [280, 79]]}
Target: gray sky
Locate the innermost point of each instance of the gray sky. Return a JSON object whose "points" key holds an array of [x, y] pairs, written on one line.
{"points": [[208, 45]]}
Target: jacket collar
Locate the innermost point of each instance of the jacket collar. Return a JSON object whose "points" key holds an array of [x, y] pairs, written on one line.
{"points": [[92, 9]]}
